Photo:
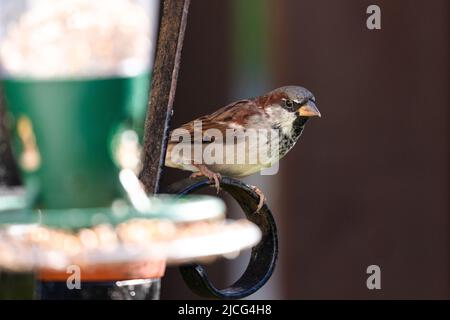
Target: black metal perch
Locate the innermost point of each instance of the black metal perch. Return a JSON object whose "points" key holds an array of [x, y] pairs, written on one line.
{"points": [[263, 256]]}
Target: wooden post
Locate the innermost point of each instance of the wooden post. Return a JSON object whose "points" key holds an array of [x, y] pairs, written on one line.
{"points": [[164, 83]]}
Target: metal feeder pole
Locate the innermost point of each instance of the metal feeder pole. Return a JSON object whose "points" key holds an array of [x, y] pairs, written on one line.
{"points": [[162, 95], [9, 173]]}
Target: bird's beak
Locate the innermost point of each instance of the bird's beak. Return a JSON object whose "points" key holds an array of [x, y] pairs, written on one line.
{"points": [[309, 110]]}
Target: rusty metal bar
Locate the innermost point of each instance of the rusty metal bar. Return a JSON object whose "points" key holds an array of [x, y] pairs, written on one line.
{"points": [[164, 83]]}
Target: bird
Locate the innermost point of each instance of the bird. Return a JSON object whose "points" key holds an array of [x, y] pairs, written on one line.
{"points": [[276, 119]]}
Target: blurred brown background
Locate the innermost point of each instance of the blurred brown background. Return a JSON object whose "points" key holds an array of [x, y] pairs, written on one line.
{"points": [[368, 183]]}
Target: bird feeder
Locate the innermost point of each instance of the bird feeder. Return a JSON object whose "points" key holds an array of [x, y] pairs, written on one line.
{"points": [[75, 76]]}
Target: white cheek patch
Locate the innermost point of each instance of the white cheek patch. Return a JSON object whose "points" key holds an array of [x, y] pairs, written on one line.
{"points": [[284, 118]]}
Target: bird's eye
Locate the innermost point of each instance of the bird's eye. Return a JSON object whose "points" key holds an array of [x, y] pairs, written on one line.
{"points": [[289, 103]]}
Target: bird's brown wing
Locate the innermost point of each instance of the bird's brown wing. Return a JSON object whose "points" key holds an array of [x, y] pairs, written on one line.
{"points": [[230, 116]]}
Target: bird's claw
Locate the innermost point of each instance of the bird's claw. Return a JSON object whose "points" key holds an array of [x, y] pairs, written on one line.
{"points": [[262, 198], [217, 178], [212, 176], [196, 175]]}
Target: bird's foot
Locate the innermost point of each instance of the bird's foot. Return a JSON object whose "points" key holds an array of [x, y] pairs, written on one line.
{"points": [[212, 176], [262, 198]]}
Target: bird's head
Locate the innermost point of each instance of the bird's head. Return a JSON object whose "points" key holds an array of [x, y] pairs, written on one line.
{"points": [[289, 106], [296, 100]]}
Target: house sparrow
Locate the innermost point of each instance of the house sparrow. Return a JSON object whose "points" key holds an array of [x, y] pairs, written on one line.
{"points": [[283, 111]]}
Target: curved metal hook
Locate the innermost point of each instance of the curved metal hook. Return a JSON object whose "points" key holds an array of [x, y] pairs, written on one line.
{"points": [[263, 256]]}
